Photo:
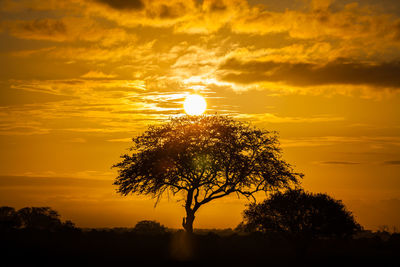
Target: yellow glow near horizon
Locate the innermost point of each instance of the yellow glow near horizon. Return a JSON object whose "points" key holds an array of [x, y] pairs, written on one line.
{"points": [[195, 105]]}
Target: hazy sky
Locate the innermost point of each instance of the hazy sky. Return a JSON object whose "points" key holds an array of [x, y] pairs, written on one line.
{"points": [[80, 78]]}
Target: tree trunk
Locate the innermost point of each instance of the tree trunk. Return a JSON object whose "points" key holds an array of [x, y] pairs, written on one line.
{"points": [[187, 222]]}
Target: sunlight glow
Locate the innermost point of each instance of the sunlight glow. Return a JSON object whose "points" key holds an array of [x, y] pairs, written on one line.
{"points": [[195, 105]]}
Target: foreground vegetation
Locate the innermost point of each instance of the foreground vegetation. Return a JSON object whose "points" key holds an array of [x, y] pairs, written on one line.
{"points": [[113, 247], [151, 243]]}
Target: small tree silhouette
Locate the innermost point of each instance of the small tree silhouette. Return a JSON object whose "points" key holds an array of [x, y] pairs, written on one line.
{"points": [[297, 213], [43, 218], [37, 218], [149, 227], [205, 158]]}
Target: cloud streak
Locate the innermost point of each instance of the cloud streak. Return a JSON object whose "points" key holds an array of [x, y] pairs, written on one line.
{"points": [[123, 4], [392, 162], [337, 72], [338, 163]]}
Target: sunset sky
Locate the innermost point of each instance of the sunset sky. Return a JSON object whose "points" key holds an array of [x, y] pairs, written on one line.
{"points": [[80, 78]]}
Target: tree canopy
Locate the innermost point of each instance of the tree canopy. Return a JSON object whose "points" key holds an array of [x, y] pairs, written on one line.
{"points": [[205, 158], [149, 227], [297, 213], [34, 218]]}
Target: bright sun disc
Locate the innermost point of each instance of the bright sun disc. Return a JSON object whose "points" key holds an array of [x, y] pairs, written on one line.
{"points": [[195, 105]]}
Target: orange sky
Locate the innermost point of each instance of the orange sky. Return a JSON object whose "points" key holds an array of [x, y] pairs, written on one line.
{"points": [[79, 78]]}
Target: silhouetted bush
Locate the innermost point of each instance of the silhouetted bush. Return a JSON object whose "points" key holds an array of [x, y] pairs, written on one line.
{"points": [[296, 213], [149, 228]]}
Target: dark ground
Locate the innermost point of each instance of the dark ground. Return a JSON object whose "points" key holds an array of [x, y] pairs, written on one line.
{"points": [[25, 247]]}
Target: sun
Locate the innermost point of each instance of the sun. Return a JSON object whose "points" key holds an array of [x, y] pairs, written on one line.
{"points": [[195, 105]]}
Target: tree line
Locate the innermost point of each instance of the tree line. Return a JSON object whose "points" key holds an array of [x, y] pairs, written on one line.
{"points": [[34, 218], [292, 214]]}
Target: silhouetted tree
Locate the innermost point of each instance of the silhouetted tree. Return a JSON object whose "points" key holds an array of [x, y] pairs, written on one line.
{"points": [[297, 213], [9, 218], [68, 224], [40, 218], [206, 158], [149, 227]]}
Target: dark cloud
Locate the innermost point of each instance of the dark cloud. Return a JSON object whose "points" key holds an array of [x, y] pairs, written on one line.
{"points": [[47, 26], [340, 71], [217, 5], [41, 27], [155, 10], [24, 181], [167, 11], [392, 162], [123, 4], [339, 163], [396, 31]]}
